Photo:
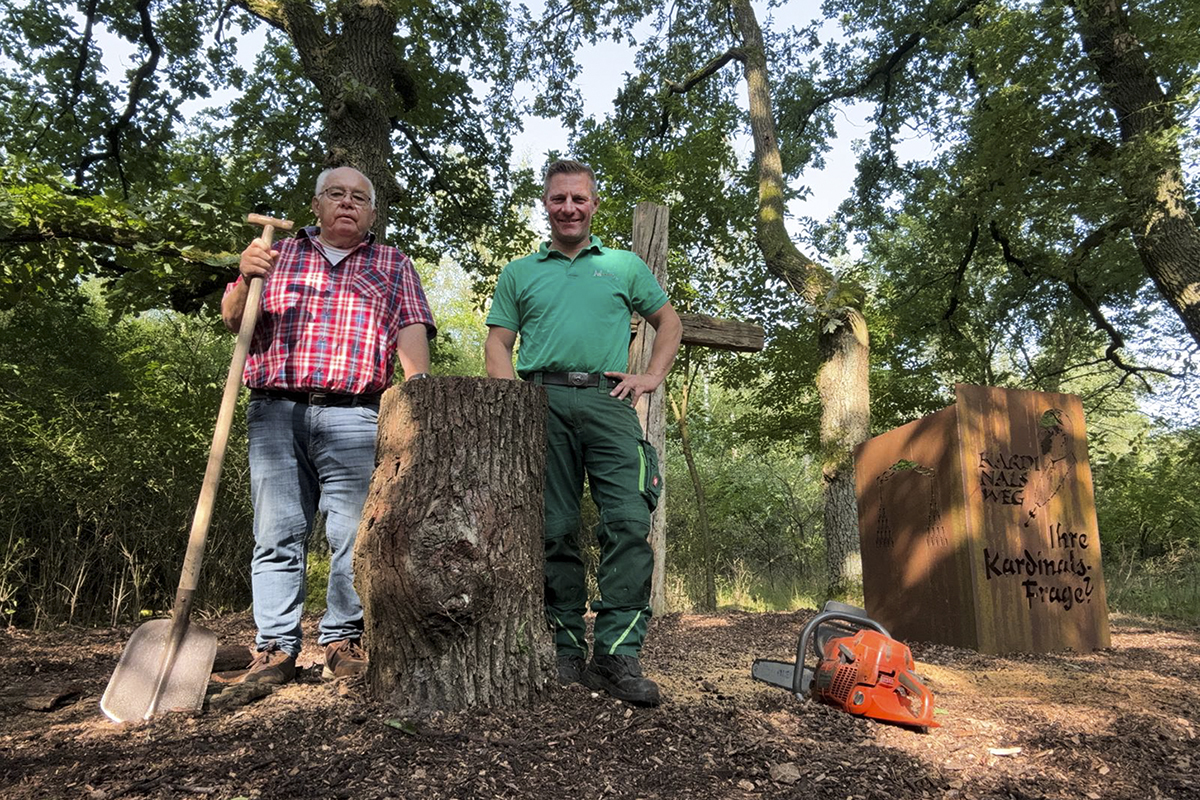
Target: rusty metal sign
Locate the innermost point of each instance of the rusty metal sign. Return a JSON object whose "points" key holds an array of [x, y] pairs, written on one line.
{"points": [[978, 525]]}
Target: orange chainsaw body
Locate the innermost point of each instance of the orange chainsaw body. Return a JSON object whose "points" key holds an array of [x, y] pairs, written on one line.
{"points": [[859, 668], [871, 675]]}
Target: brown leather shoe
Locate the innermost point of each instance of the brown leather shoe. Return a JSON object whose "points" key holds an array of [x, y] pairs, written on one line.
{"points": [[344, 658], [271, 666]]}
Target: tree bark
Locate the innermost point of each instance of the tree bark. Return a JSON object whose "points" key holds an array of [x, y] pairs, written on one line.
{"points": [[449, 555], [1165, 234], [843, 383], [842, 379]]}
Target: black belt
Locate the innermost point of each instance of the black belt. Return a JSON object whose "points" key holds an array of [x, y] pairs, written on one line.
{"points": [[318, 398], [580, 380]]}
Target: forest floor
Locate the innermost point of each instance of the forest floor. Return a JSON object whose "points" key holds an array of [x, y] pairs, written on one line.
{"points": [[1118, 723]]}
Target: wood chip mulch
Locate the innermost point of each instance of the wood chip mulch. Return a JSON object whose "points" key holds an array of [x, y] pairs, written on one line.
{"points": [[1117, 723]]}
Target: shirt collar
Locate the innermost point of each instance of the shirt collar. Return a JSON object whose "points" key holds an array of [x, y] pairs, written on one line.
{"points": [[544, 252]]}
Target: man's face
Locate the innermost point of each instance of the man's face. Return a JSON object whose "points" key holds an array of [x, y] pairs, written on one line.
{"points": [[570, 205], [344, 221]]}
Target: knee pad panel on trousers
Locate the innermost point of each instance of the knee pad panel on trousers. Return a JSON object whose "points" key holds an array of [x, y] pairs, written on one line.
{"points": [[558, 527], [565, 581], [632, 513], [626, 563]]}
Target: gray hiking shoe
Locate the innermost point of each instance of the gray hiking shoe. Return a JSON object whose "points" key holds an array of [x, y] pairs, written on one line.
{"points": [[621, 677]]}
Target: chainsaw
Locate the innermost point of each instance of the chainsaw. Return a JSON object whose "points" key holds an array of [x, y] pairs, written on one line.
{"points": [[860, 669]]}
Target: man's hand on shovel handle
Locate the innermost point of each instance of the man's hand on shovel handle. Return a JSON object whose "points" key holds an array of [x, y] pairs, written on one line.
{"points": [[258, 259]]}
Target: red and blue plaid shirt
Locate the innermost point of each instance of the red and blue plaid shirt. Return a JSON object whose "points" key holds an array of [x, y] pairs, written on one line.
{"points": [[333, 328]]}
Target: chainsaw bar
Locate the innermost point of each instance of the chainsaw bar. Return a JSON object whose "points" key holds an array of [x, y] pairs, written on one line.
{"points": [[780, 673]]}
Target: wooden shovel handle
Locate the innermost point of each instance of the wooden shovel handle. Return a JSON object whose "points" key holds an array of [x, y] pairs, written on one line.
{"points": [[216, 455]]}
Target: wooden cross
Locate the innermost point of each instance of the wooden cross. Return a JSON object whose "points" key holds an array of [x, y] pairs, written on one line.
{"points": [[650, 223]]}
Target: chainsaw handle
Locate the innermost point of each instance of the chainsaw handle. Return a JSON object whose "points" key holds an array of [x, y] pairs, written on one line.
{"points": [[802, 680]]}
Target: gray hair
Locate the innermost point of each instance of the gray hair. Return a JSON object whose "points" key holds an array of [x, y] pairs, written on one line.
{"points": [[324, 177]]}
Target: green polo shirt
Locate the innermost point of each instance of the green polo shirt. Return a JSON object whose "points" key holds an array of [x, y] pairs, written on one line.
{"points": [[573, 315]]}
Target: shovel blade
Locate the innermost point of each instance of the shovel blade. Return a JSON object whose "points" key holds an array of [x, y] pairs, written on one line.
{"points": [[131, 689]]}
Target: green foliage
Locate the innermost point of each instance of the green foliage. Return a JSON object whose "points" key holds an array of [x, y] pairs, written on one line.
{"points": [[1004, 252], [106, 425], [1167, 586], [1149, 497], [763, 504], [129, 177], [316, 576], [458, 349], [170, 248]]}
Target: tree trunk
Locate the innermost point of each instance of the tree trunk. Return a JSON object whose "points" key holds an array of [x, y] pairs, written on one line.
{"points": [[449, 554], [355, 67], [1165, 233], [842, 384], [842, 379]]}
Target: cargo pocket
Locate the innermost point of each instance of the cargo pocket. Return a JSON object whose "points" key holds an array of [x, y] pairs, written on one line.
{"points": [[649, 478]]}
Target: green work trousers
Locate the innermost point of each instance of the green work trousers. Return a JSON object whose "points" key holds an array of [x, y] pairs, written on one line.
{"points": [[589, 432]]}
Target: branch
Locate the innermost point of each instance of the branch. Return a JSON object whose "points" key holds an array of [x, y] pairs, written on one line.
{"points": [[49, 231], [427, 158], [783, 259], [85, 43], [884, 66], [1081, 293], [1010, 257], [306, 29], [71, 97], [113, 135], [221, 17], [709, 69], [959, 274], [269, 11]]}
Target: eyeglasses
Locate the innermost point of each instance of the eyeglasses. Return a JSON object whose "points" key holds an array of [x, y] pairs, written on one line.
{"points": [[337, 194]]}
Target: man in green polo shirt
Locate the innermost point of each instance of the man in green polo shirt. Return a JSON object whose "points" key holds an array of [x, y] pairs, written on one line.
{"points": [[570, 302]]}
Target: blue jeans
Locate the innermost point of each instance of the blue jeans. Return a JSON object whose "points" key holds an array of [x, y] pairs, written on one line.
{"points": [[305, 459]]}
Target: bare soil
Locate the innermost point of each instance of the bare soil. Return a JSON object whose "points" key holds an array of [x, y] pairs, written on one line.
{"points": [[1118, 723]]}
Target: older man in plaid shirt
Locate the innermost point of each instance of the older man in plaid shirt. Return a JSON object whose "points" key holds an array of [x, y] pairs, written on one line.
{"points": [[337, 309]]}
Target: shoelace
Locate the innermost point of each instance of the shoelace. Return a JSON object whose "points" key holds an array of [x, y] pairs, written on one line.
{"points": [[353, 650], [263, 657]]}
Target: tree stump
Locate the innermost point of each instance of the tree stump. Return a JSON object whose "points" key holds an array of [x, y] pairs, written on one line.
{"points": [[449, 555]]}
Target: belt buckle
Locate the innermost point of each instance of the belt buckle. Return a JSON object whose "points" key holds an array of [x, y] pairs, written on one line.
{"points": [[577, 378], [318, 398]]}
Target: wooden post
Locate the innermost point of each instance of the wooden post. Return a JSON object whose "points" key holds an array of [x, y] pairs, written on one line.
{"points": [[650, 242], [449, 557], [650, 223]]}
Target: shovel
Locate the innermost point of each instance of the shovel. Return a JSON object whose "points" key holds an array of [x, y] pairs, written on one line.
{"points": [[167, 663]]}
